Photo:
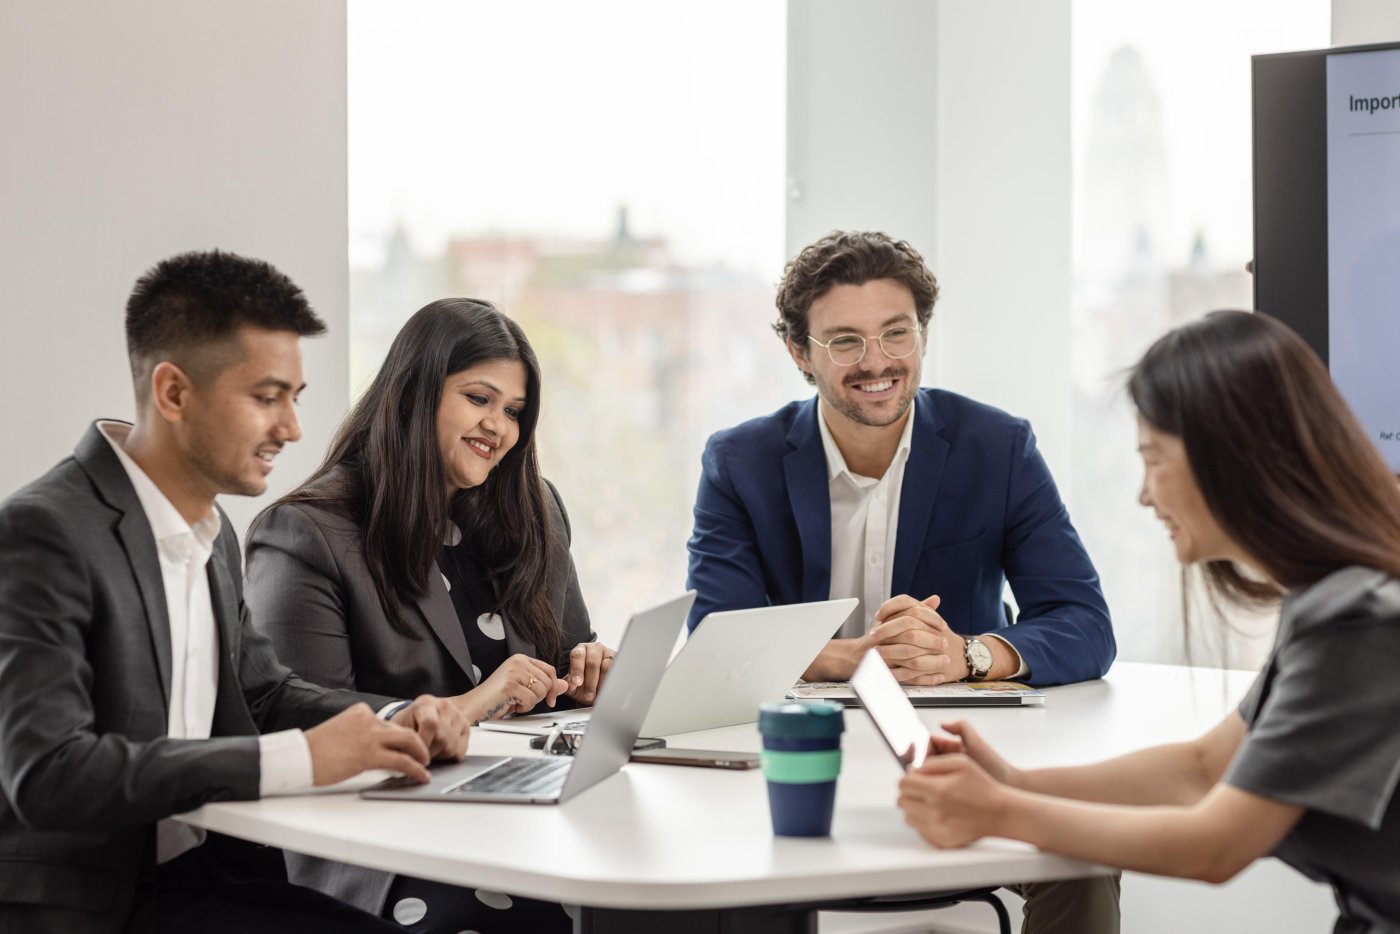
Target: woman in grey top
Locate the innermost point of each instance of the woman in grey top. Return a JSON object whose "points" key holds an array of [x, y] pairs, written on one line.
{"points": [[1264, 478]]}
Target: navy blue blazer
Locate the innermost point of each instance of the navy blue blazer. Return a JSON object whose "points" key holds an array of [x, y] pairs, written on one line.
{"points": [[978, 507]]}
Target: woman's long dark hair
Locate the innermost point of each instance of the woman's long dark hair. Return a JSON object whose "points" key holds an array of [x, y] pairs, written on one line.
{"points": [[384, 470], [1280, 460]]}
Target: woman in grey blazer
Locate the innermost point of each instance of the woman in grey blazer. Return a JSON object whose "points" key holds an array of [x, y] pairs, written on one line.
{"points": [[1263, 477], [428, 555]]}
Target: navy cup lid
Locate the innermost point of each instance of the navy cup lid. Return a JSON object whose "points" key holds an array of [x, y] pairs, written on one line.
{"points": [[801, 719]]}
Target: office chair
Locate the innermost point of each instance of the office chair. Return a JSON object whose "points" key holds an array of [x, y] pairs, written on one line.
{"points": [[926, 901]]}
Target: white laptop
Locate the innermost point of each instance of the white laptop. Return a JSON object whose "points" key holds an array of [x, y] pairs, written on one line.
{"points": [[732, 662], [622, 703]]}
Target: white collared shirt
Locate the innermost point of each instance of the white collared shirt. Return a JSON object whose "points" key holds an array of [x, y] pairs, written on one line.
{"points": [[864, 524], [184, 552], [864, 527]]}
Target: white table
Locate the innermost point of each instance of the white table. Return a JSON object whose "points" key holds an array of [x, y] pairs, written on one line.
{"points": [[660, 837]]}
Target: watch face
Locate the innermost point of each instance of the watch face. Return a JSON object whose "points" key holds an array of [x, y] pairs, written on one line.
{"points": [[980, 655]]}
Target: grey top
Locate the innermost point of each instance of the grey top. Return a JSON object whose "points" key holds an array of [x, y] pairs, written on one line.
{"points": [[1323, 721]]}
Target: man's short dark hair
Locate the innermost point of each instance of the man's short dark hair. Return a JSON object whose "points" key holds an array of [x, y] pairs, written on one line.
{"points": [[849, 257], [186, 309]]}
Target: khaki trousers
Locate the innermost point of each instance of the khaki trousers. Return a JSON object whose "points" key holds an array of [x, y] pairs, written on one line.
{"points": [[1071, 906]]}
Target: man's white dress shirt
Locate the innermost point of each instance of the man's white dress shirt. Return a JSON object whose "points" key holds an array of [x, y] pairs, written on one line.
{"points": [[184, 552], [864, 524], [864, 528]]}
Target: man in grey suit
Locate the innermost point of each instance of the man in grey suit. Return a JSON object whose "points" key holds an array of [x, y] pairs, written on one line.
{"points": [[132, 685]]}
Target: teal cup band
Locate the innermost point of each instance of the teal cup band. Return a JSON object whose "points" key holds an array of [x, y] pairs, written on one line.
{"points": [[801, 768]]}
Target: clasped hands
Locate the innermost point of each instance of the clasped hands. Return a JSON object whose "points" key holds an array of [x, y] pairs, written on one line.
{"points": [[915, 642]]}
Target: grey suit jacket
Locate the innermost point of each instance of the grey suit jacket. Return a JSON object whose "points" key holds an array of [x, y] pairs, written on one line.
{"points": [[86, 768], [311, 592]]}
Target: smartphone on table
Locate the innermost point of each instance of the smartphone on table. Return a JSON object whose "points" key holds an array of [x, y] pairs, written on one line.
{"points": [[703, 758]]}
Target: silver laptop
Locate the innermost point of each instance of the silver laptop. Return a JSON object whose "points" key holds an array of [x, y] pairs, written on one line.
{"points": [[617, 721], [734, 661], [738, 659]]}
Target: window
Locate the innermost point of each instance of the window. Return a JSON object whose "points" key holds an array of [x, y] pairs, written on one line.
{"points": [[1163, 229], [611, 175]]}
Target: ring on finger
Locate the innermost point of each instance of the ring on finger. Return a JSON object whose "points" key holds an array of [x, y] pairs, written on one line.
{"points": [[533, 681]]}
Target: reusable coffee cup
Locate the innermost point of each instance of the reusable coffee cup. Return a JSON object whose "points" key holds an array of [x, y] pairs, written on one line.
{"points": [[801, 759]]}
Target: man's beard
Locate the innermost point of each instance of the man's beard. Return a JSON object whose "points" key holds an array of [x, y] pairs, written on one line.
{"points": [[840, 398], [204, 457]]}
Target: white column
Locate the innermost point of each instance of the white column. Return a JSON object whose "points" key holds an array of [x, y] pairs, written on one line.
{"points": [[1003, 158], [1359, 22], [138, 130], [947, 124], [862, 121]]}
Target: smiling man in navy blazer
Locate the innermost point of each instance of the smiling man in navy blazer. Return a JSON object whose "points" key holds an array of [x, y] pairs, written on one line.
{"points": [[919, 502]]}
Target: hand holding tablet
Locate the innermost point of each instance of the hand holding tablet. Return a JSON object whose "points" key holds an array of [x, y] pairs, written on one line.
{"points": [[896, 719]]}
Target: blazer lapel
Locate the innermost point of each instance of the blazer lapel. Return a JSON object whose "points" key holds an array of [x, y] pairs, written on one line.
{"points": [[229, 620], [441, 616], [225, 606], [805, 471], [94, 453], [140, 545], [928, 452]]}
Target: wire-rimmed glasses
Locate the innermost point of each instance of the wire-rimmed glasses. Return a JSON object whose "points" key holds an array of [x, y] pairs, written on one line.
{"points": [[563, 739], [897, 343]]}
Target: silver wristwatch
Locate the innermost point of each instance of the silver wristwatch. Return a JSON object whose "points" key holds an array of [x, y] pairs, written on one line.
{"points": [[979, 658]]}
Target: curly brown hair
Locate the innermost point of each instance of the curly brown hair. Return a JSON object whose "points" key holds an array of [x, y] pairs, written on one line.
{"points": [[849, 257]]}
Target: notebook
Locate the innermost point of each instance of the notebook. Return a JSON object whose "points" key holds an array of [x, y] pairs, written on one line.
{"points": [[734, 661], [622, 704], [956, 694]]}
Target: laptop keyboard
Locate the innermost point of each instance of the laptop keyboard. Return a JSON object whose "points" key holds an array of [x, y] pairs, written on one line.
{"points": [[517, 775]]}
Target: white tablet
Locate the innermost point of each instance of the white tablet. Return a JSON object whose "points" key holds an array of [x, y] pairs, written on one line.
{"points": [[896, 719]]}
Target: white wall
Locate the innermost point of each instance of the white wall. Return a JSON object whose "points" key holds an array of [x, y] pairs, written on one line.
{"points": [[1359, 22], [141, 129], [862, 124], [947, 124], [862, 120], [1003, 157]]}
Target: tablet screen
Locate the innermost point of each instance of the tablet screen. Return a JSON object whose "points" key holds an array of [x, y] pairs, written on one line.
{"points": [[895, 718]]}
